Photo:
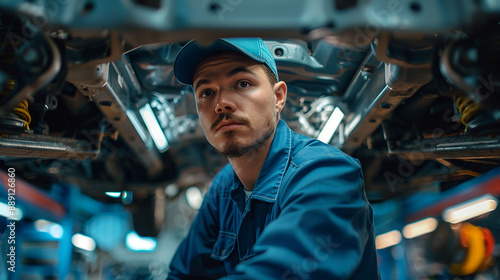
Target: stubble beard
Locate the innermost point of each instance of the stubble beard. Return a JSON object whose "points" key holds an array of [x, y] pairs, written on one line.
{"points": [[233, 149], [236, 150]]}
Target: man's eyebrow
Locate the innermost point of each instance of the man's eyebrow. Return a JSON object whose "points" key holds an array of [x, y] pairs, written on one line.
{"points": [[200, 83], [239, 70], [231, 73]]}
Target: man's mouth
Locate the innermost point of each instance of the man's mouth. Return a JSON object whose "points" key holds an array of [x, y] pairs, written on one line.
{"points": [[227, 125]]}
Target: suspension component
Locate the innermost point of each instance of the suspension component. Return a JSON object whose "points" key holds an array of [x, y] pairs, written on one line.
{"points": [[20, 113], [467, 108], [475, 117], [471, 65]]}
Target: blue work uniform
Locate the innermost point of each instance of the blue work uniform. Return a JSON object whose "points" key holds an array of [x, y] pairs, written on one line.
{"points": [[307, 218]]}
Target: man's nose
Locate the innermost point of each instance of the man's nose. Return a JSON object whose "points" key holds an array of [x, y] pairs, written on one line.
{"points": [[224, 103]]}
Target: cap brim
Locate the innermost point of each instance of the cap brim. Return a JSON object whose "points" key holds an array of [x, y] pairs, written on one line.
{"points": [[192, 54]]}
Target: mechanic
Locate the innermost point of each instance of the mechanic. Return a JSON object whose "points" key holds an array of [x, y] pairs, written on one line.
{"points": [[286, 206]]}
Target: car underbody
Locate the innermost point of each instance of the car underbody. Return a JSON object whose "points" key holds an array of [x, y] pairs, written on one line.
{"points": [[414, 86]]}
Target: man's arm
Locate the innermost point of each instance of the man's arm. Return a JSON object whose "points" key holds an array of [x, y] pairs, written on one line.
{"points": [[192, 259], [325, 228]]}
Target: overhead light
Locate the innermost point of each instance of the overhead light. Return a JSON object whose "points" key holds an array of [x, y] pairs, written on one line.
{"points": [[137, 125], [137, 243], [56, 231], [5, 210], [51, 228], [470, 209], [113, 194], [194, 197], [331, 126], [171, 190], [154, 127], [419, 228], [83, 242], [388, 239]]}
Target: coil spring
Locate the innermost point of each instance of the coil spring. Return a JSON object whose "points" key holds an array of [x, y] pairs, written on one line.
{"points": [[21, 110], [467, 108]]}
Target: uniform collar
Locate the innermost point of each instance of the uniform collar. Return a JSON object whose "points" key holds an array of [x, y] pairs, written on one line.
{"points": [[269, 181]]}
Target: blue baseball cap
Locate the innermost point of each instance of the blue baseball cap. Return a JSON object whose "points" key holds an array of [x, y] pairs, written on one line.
{"points": [[190, 56]]}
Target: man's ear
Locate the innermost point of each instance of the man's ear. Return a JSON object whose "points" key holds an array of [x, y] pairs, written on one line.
{"points": [[280, 92]]}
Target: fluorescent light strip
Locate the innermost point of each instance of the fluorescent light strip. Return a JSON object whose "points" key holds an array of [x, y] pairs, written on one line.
{"points": [[154, 128], [137, 125], [331, 126], [419, 228], [56, 231], [4, 211], [470, 209], [51, 228], [137, 243], [388, 239], [113, 194], [83, 242]]}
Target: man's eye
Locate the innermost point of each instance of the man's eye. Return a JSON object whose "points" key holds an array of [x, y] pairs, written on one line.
{"points": [[242, 84], [206, 92]]}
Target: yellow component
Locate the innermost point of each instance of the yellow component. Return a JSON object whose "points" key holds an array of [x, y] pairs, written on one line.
{"points": [[11, 84], [467, 108], [21, 110], [476, 250]]}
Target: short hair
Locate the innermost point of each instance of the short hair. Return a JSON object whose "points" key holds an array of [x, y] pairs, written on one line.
{"points": [[270, 74]]}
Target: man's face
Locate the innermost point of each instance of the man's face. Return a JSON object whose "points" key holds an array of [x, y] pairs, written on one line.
{"points": [[237, 104]]}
